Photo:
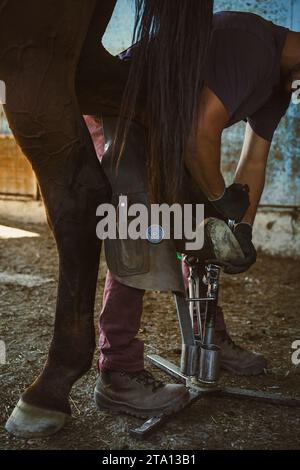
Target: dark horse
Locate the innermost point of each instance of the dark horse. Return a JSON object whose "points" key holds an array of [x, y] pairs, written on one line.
{"points": [[50, 53], [55, 69]]}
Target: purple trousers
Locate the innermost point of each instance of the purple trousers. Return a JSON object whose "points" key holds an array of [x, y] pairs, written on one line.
{"points": [[120, 322]]}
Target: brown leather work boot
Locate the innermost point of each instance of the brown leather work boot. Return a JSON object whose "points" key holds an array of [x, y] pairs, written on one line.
{"points": [[138, 394], [234, 358]]}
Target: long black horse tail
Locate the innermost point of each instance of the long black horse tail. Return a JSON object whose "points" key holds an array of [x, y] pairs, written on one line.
{"points": [[167, 67]]}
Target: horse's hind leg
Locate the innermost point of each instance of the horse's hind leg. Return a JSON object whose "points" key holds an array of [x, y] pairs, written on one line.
{"points": [[38, 59]]}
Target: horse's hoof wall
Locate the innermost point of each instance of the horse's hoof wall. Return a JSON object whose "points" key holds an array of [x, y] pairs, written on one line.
{"points": [[31, 421]]}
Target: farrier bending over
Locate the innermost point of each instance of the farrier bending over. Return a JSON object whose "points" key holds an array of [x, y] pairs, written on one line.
{"points": [[250, 66]]}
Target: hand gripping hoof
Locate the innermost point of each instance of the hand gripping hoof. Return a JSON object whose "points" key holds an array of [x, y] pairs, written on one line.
{"points": [[32, 422]]}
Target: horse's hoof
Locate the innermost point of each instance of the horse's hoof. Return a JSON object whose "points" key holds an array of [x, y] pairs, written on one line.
{"points": [[30, 421], [225, 246]]}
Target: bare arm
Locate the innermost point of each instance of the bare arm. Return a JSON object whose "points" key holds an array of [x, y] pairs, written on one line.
{"points": [[251, 169], [203, 157]]}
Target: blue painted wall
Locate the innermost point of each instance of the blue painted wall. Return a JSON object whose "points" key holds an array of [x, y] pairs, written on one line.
{"points": [[4, 129]]}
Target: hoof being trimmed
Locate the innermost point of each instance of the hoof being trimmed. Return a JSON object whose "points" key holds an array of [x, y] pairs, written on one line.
{"points": [[30, 421]]}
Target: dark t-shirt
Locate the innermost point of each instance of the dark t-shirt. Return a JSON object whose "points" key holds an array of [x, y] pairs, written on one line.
{"points": [[243, 69]]}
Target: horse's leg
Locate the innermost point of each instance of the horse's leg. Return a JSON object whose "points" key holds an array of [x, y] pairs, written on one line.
{"points": [[40, 46]]}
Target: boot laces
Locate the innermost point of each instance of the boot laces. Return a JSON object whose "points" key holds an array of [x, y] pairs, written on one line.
{"points": [[146, 378]]}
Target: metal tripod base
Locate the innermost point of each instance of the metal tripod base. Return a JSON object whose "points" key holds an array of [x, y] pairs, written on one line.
{"points": [[200, 357], [197, 391]]}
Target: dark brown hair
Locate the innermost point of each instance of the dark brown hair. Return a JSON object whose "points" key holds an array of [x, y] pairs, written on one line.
{"points": [[173, 38]]}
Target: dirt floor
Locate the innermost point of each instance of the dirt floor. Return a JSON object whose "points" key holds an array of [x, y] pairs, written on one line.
{"points": [[262, 312]]}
